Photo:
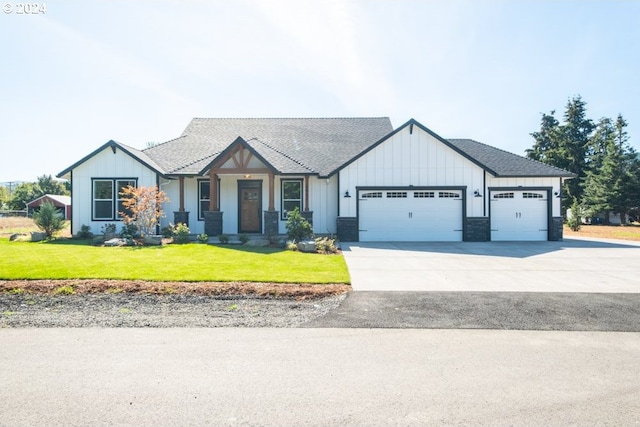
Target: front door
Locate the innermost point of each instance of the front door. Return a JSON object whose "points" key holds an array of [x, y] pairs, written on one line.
{"points": [[250, 202]]}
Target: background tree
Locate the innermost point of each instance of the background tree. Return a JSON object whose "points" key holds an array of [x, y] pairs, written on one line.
{"points": [[47, 185], [611, 182], [4, 196], [142, 206], [48, 219], [28, 191], [565, 145]]}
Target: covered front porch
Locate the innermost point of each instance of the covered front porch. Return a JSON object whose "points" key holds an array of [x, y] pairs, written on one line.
{"points": [[240, 193]]}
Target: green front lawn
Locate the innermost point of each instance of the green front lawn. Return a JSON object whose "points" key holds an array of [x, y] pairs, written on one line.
{"points": [[69, 259]]}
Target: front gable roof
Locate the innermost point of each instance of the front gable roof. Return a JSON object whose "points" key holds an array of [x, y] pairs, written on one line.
{"points": [[497, 162], [138, 155]]}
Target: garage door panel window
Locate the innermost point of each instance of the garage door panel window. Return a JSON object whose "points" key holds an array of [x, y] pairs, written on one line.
{"points": [[372, 195], [532, 196], [396, 194], [424, 195], [503, 196], [448, 195]]}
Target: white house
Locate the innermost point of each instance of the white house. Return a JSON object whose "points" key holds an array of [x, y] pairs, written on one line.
{"points": [[354, 177]]}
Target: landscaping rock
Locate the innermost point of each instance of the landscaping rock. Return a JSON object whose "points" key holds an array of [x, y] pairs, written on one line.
{"points": [[151, 241], [115, 242], [37, 236], [17, 236], [307, 246]]}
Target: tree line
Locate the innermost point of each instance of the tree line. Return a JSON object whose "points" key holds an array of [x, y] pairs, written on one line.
{"points": [[28, 191], [607, 167]]}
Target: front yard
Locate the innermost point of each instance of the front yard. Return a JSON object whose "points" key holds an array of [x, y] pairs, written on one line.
{"points": [[70, 259]]}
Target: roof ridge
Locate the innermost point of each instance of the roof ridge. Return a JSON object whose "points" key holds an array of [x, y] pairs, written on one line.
{"points": [[282, 154], [508, 152], [289, 118], [162, 143]]}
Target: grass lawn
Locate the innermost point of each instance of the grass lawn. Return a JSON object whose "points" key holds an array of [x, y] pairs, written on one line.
{"points": [[70, 259], [623, 232]]}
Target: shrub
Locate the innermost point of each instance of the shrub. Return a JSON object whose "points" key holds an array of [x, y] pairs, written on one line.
{"points": [[181, 233], [292, 246], [84, 233], [64, 290], [48, 220], [203, 238], [167, 231], [243, 239], [326, 245], [223, 238], [130, 231], [574, 221], [298, 228], [142, 206], [108, 231]]}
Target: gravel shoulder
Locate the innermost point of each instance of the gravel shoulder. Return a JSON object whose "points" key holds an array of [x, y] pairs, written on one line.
{"points": [[111, 303], [159, 311]]}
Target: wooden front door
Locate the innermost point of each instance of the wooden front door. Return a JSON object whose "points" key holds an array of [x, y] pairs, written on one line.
{"points": [[250, 203]]}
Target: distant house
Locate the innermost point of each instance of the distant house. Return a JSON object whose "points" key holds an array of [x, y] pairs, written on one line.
{"points": [[62, 203], [355, 177]]}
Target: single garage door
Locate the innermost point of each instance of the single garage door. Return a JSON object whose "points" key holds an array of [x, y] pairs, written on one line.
{"points": [[410, 215], [519, 215]]}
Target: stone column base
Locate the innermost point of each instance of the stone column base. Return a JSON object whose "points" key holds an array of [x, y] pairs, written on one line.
{"points": [[347, 229], [213, 223], [477, 229], [556, 233], [181, 217], [271, 223]]}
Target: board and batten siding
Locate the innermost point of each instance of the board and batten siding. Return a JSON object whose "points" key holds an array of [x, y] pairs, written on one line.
{"points": [[416, 159], [105, 164]]}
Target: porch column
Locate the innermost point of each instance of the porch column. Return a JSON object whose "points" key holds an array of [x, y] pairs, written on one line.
{"points": [[181, 180], [306, 213], [213, 191], [271, 215], [271, 192], [181, 217], [213, 217]]}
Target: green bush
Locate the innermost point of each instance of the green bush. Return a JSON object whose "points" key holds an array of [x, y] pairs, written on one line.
{"points": [[224, 239], [48, 219], [108, 231], [575, 221], [298, 228], [181, 233], [84, 233], [203, 238], [326, 245], [130, 231], [167, 231], [243, 239]]}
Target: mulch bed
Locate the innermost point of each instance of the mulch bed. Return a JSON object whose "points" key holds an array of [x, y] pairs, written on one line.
{"points": [[297, 291]]}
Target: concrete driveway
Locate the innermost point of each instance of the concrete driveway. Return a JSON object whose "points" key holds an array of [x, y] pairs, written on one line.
{"points": [[573, 265]]}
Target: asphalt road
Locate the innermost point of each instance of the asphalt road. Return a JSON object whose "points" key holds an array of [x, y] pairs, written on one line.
{"points": [[547, 311], [328, 377]]}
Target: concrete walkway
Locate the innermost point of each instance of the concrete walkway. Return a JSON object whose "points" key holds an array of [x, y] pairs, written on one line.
{"points": [[573, 265]]}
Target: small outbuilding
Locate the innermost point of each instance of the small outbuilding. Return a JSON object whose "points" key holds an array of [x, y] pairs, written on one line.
{"points": [[62, 203]]}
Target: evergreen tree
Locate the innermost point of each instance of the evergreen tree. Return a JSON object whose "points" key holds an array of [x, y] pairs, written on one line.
{"points": [[611, 182]]}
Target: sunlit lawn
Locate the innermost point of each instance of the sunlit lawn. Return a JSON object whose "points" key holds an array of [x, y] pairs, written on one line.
{"points": [[624, 232], [70, 259]]}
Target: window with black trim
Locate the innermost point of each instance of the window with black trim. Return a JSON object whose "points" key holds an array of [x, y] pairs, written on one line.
{"points": [[204, 197], [107, 200], [291, 190]]}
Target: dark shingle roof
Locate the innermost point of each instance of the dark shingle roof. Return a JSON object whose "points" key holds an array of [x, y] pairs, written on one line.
{"points": [[502, 163], [290, 145]]}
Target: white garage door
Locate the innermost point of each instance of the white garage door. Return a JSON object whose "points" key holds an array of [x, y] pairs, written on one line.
{"points": [[519, 215], [410, 215]]}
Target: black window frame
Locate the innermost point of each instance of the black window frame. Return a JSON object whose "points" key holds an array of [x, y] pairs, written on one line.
{"points": [[299, 202], [202, 199], [115, 199]]}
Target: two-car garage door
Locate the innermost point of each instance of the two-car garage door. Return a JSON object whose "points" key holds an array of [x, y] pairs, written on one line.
{"points": [[410, 215]]}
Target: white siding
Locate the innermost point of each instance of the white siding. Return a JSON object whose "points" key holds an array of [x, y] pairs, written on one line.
{"points": [[105, 164], [416, 159]]}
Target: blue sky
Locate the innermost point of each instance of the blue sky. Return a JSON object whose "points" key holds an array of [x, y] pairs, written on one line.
{"points": [[86, 72]]}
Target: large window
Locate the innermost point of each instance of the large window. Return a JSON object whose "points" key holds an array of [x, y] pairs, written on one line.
{"points": [[107, 201], [204, 196], [291, 196]]}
